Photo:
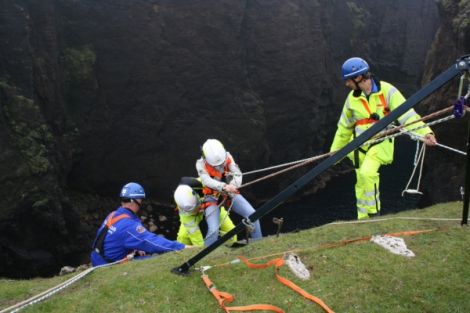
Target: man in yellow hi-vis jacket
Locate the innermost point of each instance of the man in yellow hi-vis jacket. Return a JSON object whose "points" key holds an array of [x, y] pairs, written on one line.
{"points": [[369, 101]]}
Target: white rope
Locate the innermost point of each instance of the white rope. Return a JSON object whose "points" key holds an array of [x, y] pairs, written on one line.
{"points": [[451, 149], [205, 268], [50, 292], [279, 166], [442, 120], [374, 220], [419, 160], [418, 137], [365, 144]]}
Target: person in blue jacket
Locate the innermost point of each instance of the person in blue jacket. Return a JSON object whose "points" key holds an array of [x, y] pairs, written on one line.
{"points": [[122, 232]]}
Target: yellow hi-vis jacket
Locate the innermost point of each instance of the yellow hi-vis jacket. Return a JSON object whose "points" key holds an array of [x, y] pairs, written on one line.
{"points": [[360, 113], [189, 232]]}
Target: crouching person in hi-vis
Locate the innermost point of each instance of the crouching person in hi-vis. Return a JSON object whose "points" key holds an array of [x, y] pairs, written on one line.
{"points": [[369, 101], [220, 175], [191, 203], [122, 233]]}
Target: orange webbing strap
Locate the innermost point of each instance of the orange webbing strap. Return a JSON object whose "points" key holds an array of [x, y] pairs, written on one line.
{"points": [[384, 104], [410, 232], [112, 220], [223, 297], [278, 263], [367, 238], [206, 204], [365, 105], [366, 121]]}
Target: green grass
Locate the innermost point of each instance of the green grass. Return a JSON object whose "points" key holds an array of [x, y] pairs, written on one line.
{"points": [[359, 277]]}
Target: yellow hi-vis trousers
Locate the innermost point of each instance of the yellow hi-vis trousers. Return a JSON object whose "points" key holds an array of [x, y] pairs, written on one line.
{"points": [[189, 232], [367, 184]]}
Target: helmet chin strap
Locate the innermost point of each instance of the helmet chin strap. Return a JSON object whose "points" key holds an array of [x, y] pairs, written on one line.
{"points": [[356, 84], [137, 202]]}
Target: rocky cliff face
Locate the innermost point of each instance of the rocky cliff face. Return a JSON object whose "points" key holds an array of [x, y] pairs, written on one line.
{"points": [[94, 94], [451, 42]]}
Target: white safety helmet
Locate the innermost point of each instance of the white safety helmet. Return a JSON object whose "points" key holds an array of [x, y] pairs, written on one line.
{"points": [[214, 152], [186, 198]]}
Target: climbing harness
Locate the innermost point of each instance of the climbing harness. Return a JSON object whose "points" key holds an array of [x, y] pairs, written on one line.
{"points": [[224, 297], [98, 245], [373, 117]]}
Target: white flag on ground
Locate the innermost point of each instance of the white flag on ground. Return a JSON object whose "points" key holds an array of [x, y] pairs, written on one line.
{"points": [[395, 245]]}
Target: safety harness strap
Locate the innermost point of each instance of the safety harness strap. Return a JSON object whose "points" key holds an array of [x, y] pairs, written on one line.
{"points": [[206, 204], [99, 242], [373, 117], [113, 220], [214, 173]]}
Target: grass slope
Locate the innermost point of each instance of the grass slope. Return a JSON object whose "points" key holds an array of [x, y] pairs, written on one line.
{"points": [[359, 277]]}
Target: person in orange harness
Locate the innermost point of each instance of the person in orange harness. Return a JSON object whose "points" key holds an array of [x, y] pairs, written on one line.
{"points": [[122, 233], [370, 100], [220, 175], [191, 203]]}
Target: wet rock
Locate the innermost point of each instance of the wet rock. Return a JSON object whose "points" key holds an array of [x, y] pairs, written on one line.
{"points": [[66, 270]]}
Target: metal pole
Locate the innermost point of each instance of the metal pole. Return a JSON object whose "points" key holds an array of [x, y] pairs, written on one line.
{"points": [[277, 200], [466, 197]]}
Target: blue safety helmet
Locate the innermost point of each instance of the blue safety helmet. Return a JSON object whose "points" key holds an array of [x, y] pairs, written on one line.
{"points": [[132, 191], [354, 67]]}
